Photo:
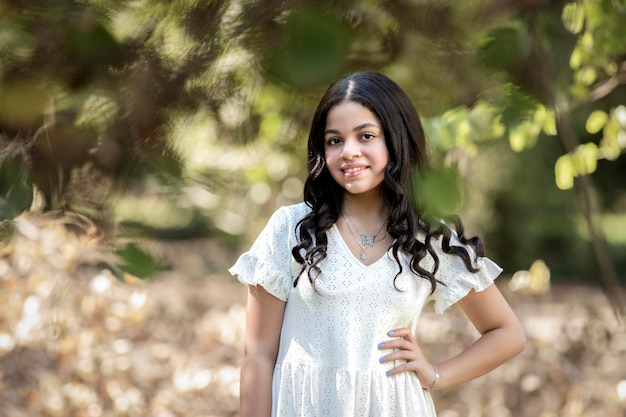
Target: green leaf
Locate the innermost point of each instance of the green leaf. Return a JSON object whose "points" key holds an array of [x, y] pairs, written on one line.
{"points": [[609, 148], [613, 139], [315, 49], [585, 159], [545, 119], [7, 229], [16, 188], [596, 121], [523, 136], [582, 161], [439, 190], [586, 76], [517, 140], [137, 262], [503, 48], [564, 172], [576, 58], [573, 17]]}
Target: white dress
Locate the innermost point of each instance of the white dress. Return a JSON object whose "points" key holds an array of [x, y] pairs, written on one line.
{"points": [[328, 360]]}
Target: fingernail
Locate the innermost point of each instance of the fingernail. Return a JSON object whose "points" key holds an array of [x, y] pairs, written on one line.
{"points": [[391, 333], [381, 345], [387, 373], [381, 360]]}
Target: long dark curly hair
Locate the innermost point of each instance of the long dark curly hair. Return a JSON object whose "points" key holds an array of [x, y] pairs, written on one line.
{"points": [[406, 144]]}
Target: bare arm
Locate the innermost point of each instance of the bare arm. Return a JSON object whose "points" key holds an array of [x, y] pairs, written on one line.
{"points": [[502, 337], [264, 319]]}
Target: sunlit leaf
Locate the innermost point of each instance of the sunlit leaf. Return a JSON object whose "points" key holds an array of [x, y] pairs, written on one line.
{"points": [[517, 140], [586, 158], [523, 136], [620, 115], [582, 161], [546, 120], [564, 172], [587, 42], [586, 76], [573, 17], [576, 58], [97, 111], [596, 121], [549, 124], [579, 91], [609, 147], [534, 281], [613, 139]]}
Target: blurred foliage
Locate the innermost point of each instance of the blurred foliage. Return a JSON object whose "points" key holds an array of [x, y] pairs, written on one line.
{"points": [[135, 134], [188, 119], [138, 262]]}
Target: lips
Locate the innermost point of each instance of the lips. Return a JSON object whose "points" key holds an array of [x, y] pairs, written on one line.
{"points": [[350, 171]]}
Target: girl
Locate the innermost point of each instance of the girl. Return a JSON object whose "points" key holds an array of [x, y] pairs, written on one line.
{"points": [[337, 283]]}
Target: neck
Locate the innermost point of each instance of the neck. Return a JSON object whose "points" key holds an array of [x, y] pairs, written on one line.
{"points": [[365, 207]]}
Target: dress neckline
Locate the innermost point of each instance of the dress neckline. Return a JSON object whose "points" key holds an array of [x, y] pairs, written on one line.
{"points": [[351, 255]]}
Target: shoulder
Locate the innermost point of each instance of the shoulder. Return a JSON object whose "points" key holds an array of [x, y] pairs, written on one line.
{"points": [[446, 243], [287, 217], [296, 211], [443, 231], [292, 213]]}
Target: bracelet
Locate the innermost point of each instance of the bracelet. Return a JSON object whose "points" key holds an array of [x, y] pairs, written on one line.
{"points": [[429, 389]]}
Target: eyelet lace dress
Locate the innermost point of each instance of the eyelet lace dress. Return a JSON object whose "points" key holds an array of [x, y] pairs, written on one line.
{"points": [[328, 359]]}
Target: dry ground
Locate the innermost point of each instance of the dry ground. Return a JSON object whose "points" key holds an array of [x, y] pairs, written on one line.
{"points": [[75, 341]]}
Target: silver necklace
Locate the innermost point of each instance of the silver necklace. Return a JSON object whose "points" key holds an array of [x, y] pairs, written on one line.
{"points": [[366, 240]]}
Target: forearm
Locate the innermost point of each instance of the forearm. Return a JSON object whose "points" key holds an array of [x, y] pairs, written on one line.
{"points": [[491, 350], [256, 387], [264, 320]]}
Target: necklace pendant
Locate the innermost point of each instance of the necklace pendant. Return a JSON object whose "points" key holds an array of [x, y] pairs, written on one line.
{"points": [[363, 255], [367, 240]]}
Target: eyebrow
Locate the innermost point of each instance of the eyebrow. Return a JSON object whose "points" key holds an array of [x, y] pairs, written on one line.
{"points": [[357, 128]]}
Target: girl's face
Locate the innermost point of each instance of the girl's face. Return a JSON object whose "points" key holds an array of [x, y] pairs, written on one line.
{"points": [[355, 150]]}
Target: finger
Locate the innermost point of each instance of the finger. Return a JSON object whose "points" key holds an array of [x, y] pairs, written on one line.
{"points": [[398, 344], [405, 355], [402, 332], [399, 332], [407, 367]]}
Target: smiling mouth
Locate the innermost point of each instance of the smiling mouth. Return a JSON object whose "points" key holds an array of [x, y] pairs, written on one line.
{"points": [[353, 170]]}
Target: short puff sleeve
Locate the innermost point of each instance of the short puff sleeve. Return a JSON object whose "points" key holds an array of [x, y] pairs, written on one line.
{"points": [[458, 280], [269, 262]]}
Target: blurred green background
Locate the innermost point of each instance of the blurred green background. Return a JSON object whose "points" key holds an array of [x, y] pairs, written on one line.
{"points": [[184, 119], [162, 130]]}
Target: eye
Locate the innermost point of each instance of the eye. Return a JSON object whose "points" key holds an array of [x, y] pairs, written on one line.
{"points": [[333, 141], [367, 136]]}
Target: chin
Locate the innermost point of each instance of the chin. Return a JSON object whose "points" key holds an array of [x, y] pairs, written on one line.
{"points": [[358, 190]]}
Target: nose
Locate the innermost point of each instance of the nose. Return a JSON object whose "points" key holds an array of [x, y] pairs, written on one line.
{"points": [[351, 149]]}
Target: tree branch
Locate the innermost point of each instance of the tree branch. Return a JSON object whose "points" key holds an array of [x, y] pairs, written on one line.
{"points": [[601, 90]]}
